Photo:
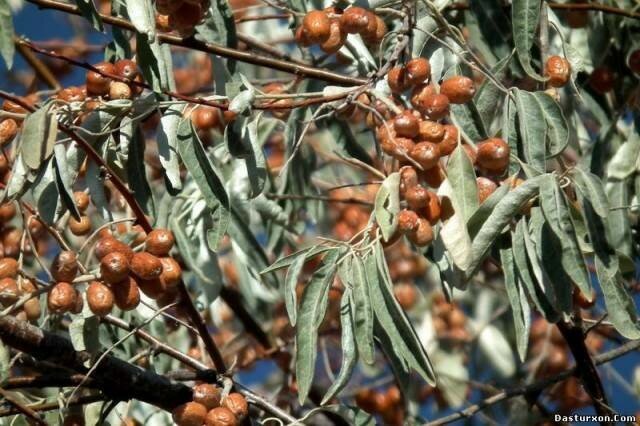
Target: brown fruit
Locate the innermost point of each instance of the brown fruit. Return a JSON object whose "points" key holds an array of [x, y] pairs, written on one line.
{"points": [[82, 200], [602, 80], [633, 61], [423, 234], [316, 26], [301, 37], [146, 266], [126, 68], [237, 404], [72, 94], [8, 267], [416, 197], [32, 309], [354, 216], [62, 298], [432, 209], [558, 69], [97, 83], [206, 118], [407, 221], [430, 131], [365, 399], [9, 292], [159, 242], [65, 266], [426, 154], [208, 395], [186, 17], [189, 414], [171, 272], [126, 294], [398, 147], [418, 71], [435, 106], [220, 416], [406, 124], [114, 267], [456, 318], [110, 244], [486, 187], [355, 20], [381, 402], [378, 36], [372, 27], [397, 79], [154, 289], [408, 179], [493, 155], [449, 141], [7, 212], [336, 38], [119, 90], [458, 89], [8, 130], [420, 93], [80, 227], [406, 294], [100, 298]]}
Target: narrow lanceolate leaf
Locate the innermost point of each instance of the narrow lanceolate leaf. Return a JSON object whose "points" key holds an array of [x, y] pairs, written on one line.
{"points": [[64, 180], [136, 175], [618, 222], [286, 261], [454, 230], [363, 313], [142, 16], [88, 10], [349, 349], [155, 63], [289, 290], [246, 138], [387, 205], [487, 99], [462, 178], [213, 191], [311, 313], [518, 301], [620, 305], [510, 131], [39, 132], [393, 319], [557, 127], [533, 129], [556, 211], [168, 146], [525, 17], [484, 210], [501, 215], [624, 161], [7, 48], [590, 187]]}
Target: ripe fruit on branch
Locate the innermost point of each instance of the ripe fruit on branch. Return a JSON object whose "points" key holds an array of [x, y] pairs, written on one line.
{"points": [[558, 69], [97, 83], [9, 292], [159, 242], [378, 36], [126, 294], [398, 80], [407, 221], [416, 197], [126, 68], [423, 234], [602, 80], [449, 141], [185, 19], [72, 94], [408, 179], [430, 131], [146, 266], [171, 272], [7, 212], [205, 118], [486, 187], [100, 298], [119, 90], [189, 414], [336, 38], [493, 155], [109, 244], [220, 416], [114, 267], [81, 199], [431, 210], [80, 227], [8, 130], [207, 395], [435, 106], [65, 266], [8, 267], [406, 124], [237, 404], [316, 26], [418, 71], [62, 298], [301, 37], [398, 147], [355, 20], [426, 154], [459, 89]]}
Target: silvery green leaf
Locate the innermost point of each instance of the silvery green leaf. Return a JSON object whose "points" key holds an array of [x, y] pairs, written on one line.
{"points": [[345, 140], [286, 261], [245, 139], [201, 169], [219, 27], [289, 289], [84, 333], [533, 129], [136, 172], [488, 96], [556, 210], [387, 205], [168, 144], [493, 24], [484, 210], [590, 187], [436, 60], [557, 127], [19, 182], [425, 26], [7, 48], [621, 307], [623, 163], [618, 221], [363, 312], [452, 376], [348, 346], [501, 215], [311, 313], [510, 130], [525, 17], [39, 132], [242, 101], [550, 254], [142, 16], [496, 350], [95, 182], [64, 180], [462, 178], [45, 192], [517, 300], [454, 230], [155, 63]]}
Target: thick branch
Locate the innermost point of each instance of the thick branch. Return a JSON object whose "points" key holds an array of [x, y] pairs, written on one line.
{"points": [[117, 379]]}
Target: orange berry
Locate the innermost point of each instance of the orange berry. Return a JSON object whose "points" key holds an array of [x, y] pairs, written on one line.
{"points": [[458, 89], [159, 242], [114, 267], [189, 414], [407, 221], [316, 26], [486, 187], [100, 298], [80, 227], [8, 130], [220, 416], [397, 79], [558, 69], [8, 267], [146, 266], [493, 155], [336, 38], [9, 292], [426, 154], [237, 404], [406, 124], [418, 71], [65, 266], [126, 294], [97, 83], [355, 20], [62, 297], [207, 395]]}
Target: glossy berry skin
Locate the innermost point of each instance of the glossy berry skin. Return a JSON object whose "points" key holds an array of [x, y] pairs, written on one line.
{"points": [[126, 294], [406, 124], [426, 154], [408, 179], [336, 38], [8, 267], [416, 197], [397, 79], [100, 298], [80, 227], [486, 187], [65, 266], [418, 71], [449, 141], [82, 200], [378, 36], [208, 395], [189, 414], [171, 272], [159, 242], [237, 404], [435, 106], [423, 234], [8, 130], [206, 118], [317, 26], [9, 292], [220, 416], [420, 93], [407, 221], [109, 244], [493, 155], [459, 89], [126, 68], [119, 90], [355, 20], [430, 131], [558, 70], [431, 210], [602, 80], [114, 267], [146, 266], [97, 83], [61, 298]]}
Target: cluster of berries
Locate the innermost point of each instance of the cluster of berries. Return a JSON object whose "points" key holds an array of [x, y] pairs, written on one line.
{"points": [[386, 403], [13, 287], [329, 27], [449, 320], [209, 407]]}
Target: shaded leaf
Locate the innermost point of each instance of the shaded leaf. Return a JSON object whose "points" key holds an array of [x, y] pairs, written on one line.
{"points": [[462, 178], [7, 48], [525, 17], [387, 205], [533, 129], [167, 139], [38, 136], [591, 188], [517, 300]]}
